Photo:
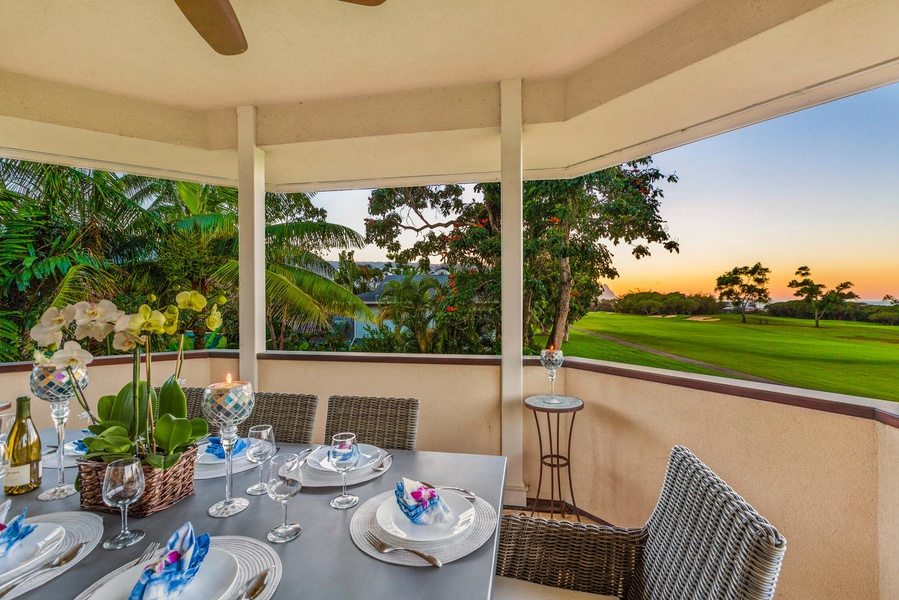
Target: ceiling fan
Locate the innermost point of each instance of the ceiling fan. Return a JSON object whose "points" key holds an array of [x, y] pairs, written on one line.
{"points": [[216, 22]]}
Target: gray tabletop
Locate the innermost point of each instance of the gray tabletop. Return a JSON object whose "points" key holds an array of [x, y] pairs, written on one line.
{"points": [[323, 563]]}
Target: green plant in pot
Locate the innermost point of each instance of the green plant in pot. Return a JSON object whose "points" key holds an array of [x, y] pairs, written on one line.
{"points": [[137, 421]]}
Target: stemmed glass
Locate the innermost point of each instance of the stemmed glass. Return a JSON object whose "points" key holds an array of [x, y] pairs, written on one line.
{"points": [[285, 478], [55, 386], [344, 455], [261, 439], [551, 360], [228, 405], [123, 485]]}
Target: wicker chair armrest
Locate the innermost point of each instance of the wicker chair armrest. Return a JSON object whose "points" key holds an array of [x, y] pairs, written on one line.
{"points": [[573, 556]]}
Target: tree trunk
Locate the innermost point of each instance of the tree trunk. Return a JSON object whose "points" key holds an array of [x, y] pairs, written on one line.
{"points": [[526, 316], [743, 312], [563, 304]]}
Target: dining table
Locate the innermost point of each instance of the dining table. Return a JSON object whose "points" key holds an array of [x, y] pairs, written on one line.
{"points": [[323, 563]]}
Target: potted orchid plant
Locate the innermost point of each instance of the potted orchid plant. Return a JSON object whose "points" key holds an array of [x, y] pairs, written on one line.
{"points": [[137, 421]]}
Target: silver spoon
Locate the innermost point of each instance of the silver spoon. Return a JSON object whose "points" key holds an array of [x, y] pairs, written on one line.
{"points": [[254, 585]]}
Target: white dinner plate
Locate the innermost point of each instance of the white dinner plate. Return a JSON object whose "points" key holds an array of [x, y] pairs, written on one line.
{"points": [[213, 581], [70, 450], [369, 457], [207, 458], [33, 551], [395, 523]]}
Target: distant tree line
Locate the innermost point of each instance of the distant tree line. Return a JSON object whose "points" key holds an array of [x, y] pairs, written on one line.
{"points": [[674, 303], [847, 311]]}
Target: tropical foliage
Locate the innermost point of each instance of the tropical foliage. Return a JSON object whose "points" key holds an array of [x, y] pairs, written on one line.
{"points": [[70, 234], [569, 228]]}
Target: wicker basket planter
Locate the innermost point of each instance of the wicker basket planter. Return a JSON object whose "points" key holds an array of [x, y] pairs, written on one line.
{"points": [[162, 489]]}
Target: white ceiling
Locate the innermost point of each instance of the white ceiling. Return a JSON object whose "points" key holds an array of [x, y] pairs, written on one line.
{"points": [[408, 92]]}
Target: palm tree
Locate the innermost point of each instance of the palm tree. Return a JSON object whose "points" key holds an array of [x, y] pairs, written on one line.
{"points": [[410, 302]]}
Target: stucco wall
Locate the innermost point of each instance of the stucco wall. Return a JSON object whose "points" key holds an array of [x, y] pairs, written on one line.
{"points": [[829, 482]]}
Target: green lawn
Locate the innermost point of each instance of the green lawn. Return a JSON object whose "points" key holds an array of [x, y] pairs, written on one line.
{"points": [[849, 358]]}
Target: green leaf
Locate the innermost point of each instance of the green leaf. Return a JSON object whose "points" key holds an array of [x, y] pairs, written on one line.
{"points": [[104, 407], [172, 433], [172, 399], [162, 462], [115, 430], [198, 429]]}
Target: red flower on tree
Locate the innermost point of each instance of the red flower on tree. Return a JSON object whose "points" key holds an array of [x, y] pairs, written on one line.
{"points": [[450, 309]]}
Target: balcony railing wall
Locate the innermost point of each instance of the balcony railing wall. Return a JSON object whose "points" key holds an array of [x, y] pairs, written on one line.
{"points": [[821, 467]]}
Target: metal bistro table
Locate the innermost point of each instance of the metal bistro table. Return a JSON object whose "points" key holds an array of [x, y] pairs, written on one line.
{"points": [[554, 459], [323, 563]]}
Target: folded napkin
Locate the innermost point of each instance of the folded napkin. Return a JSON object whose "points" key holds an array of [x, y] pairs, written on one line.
{"points": [[215, 446], [175, 569], [79, 445], [13, 532], [422, 504]]}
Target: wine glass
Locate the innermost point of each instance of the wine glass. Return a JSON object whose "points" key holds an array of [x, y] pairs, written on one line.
{"points": [[56, 386], [227, 405], [551, 360], [285, 478], [343, 455], [123, 485], [261, 440]]}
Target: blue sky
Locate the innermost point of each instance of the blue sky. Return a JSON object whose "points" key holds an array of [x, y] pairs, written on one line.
{"points": [[819, 187]]}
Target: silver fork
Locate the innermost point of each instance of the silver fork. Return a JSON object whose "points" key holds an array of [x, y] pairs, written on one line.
{"points": [[384, 548]]}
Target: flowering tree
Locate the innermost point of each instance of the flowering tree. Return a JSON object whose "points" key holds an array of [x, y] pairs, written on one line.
{"points": [[569, 225]]}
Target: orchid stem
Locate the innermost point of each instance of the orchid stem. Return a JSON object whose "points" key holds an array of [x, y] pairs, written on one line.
{"points": [[151, 406], [79, 395], [180, 361]]}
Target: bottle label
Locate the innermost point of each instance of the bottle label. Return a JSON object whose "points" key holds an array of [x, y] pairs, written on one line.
{"points": [[16, 476]]}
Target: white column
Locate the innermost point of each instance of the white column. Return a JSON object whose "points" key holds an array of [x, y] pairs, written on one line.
{"points": [[512, 286], [251, 208]]}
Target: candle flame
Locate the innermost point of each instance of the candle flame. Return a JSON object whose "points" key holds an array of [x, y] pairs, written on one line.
{"points": [[228, 378], [551, 348]]}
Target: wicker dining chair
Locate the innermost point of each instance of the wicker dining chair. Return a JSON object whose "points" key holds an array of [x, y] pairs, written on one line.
{"points": [[292, 416], [384, 422], [702, 541]]}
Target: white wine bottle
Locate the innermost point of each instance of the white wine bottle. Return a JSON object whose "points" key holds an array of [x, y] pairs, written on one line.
{"points": [[24, 446]]}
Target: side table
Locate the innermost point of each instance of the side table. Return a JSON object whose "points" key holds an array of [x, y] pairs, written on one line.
{"points": [[554, 459]]}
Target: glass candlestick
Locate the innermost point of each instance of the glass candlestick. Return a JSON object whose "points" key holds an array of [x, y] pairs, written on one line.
{"points": [[227, 405], [54, 386], [551, 360]]}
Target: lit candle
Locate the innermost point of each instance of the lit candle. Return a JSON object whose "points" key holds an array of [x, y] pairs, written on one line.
{"points": [[228, 402]]}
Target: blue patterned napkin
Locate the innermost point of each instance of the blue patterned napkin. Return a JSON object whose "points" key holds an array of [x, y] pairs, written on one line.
{"points": [[215, 446], [13, 532], [422, 504], [175, 569], [78, 445]]}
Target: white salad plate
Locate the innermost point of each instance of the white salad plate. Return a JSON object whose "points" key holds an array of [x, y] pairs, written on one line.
{"points": [[394, 522], [207, 458], [368, 457], [31, 552], [213, 581]]}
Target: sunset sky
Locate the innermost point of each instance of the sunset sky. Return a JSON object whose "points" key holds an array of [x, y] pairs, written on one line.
{"points": [[818, 188]]}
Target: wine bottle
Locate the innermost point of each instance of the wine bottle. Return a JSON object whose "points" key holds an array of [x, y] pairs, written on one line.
{"points": [[24, 446]]}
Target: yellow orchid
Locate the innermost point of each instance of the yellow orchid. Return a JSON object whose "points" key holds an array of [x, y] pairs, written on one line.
{"points": [[213, 319], [192, 300], [171, 319]]}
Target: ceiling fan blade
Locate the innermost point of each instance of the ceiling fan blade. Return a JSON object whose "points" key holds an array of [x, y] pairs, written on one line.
{"points": [[366, 2], [216, 22]]}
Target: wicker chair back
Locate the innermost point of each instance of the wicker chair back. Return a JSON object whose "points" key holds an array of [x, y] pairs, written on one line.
{"points": [[383, 422]]}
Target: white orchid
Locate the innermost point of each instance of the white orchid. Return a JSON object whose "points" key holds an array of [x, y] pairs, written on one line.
{"points": [[40, 359], [126, 341], [46, 337], [95, 329], [103, 311], [71, 355]]}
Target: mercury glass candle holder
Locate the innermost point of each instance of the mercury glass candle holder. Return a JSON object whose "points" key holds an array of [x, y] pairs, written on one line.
{"points": [[227, 405], [56, 387], [551, 360]]}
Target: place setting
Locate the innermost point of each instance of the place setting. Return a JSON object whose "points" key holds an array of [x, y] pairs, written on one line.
{"points": [[194, 566], [37, 549], [419, 525], [331, 466]]}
